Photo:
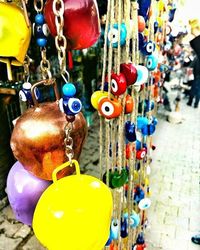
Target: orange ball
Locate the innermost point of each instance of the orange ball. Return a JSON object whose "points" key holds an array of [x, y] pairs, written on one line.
{"points": [[141, 23]]}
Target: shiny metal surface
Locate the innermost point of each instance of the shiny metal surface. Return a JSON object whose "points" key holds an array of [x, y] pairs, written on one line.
{"points": [[38, 139]]}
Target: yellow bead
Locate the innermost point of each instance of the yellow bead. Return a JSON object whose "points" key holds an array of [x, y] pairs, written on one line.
{"points": [[96, 97]]}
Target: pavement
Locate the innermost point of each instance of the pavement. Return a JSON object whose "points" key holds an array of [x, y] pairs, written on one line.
{"points": [[174, 181]]}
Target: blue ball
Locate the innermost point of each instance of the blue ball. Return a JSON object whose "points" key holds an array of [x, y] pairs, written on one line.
{"points": [[41, 42], [39, 19], [69, 90]]}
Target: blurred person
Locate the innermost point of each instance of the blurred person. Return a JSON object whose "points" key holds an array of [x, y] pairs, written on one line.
{"points": [[195, 44]]}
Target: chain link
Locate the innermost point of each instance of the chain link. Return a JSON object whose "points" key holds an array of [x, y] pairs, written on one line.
{"points": [[26, 65], [68, 142], [45, 65], [60, 39], [38, 5]]}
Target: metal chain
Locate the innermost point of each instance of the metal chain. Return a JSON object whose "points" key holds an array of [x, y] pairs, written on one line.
{"points": [[44, 63], [61, 46], [26, 65], [68, 142], [60, 39]]}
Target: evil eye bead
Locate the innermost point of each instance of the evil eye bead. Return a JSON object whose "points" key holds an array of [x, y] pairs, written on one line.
{"points": [[134, 220], [148, 130], [113, 36], [130, 132], [69, 90], [45, 29], [149, 105], [142, 75], [141, 41], [119, 179], [130, 72], [148, 48], [114, 229], [109, 108], [97, 96], [140, 154], [74, 105], [124, 228], [25, 93], [118, 84], [39, 19], [151, 62], [144, 204]]}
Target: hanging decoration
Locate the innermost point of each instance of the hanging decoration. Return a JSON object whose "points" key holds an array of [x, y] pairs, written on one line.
{"points": [[69, 210]]}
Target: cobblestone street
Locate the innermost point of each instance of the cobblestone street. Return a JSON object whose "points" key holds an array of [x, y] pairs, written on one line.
{"points": [[174, 215]]}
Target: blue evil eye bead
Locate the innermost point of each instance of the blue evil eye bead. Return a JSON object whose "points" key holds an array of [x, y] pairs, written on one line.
{"points": [[163, 68], [134, 219], [124, 227], [39, 19], [114, 229], [171, 14], [148, 129], [69, 90], [25, 93], [140, 41], [148, 105], [141, 121], [139, 194], [144, 204], [143, 9], [151, 62], [113, 35], [140, 239], [142, 75], [70, 106], [130, 132], [148, 48], [74, 106]]}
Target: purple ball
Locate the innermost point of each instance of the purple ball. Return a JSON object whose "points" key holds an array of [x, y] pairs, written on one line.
{"points": [[24, 191]]}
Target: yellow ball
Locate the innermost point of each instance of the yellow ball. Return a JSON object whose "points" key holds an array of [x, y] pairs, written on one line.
{"points": [[97, 96], [74, 213]]}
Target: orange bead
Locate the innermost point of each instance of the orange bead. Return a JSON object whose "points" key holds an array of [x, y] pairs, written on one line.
{"points": [[129, 104], [141, 23]]}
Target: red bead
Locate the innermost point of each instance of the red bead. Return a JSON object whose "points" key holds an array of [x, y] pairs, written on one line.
{"points": [[118, 84], [130, 73]]}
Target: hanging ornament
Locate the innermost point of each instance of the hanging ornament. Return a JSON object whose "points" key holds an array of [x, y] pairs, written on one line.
{"points": [[68, 209], [15, 38], [24, 191], [38, 137], [75, 12]]}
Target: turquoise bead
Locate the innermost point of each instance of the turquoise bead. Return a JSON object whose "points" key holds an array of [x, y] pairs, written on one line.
{"points": [[69, 90]]}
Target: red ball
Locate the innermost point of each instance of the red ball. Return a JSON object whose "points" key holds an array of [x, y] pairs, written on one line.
{"points": [[81, 22]]}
